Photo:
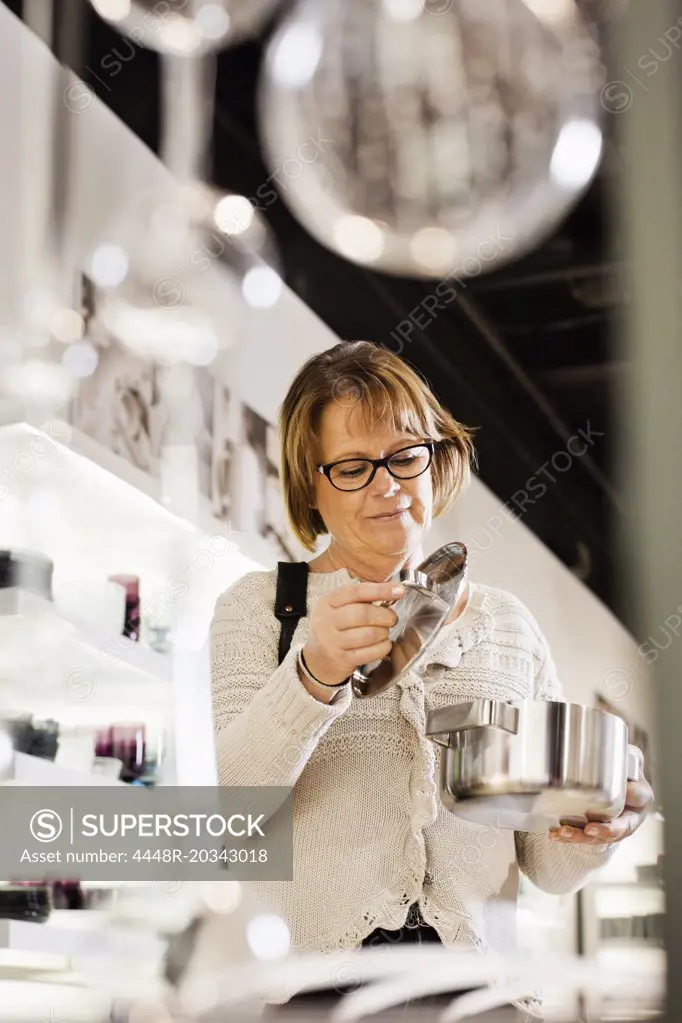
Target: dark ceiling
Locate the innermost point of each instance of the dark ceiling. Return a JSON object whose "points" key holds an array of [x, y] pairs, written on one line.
{"points": [[525, 354]]}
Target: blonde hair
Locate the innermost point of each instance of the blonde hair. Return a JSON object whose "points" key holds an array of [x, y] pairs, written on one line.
{"points": [[383, 389]]}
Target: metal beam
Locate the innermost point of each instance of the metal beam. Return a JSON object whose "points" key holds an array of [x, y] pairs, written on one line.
{"points": [[575, 376], [577, 322], [558, 424], [566, 273]]}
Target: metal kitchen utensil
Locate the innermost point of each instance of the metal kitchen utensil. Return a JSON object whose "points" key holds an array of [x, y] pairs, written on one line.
{"points": [[433, 589], [532, 765]]}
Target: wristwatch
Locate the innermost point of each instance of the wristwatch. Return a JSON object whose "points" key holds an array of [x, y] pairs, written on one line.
{"points": [[338, 686]]}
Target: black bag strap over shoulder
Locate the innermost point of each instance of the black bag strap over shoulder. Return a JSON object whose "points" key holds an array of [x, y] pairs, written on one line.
{"points": [[290, 600]]}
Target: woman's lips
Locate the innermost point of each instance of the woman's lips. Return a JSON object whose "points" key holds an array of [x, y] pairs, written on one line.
{"points": [[391, 517]]}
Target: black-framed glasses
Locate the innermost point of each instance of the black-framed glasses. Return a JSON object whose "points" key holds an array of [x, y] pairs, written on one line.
{"points": [[356, 473]]}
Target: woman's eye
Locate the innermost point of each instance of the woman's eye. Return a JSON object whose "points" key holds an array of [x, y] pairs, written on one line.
{"points": [[403, 460], [350, 474]]}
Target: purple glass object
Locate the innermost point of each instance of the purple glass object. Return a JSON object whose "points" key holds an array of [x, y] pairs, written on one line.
{"points": [[128, 745], [131, 584], [67, 895], [104, 744]]}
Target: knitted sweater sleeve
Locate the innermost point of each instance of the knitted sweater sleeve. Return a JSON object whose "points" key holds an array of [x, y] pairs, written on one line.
{"points": [[266, 724], [556, 867]]}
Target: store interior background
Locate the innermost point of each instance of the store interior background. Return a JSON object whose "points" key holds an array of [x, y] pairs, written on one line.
{"points": [[529, 351]]}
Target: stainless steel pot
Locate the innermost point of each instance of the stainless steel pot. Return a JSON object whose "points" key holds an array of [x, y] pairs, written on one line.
{"points": [[532, 765], [433, 589]]}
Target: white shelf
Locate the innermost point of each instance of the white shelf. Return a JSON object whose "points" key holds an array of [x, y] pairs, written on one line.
{"points": [[51, 669], [66, 932], [95, 515], [28, 1001], [28, 770], [28, 616]]}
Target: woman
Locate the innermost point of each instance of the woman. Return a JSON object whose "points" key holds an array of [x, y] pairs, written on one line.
{"points": [[370, 458]]}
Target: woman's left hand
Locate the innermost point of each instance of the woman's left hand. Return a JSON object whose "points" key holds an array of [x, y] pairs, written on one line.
{"points": [[638, 799]]}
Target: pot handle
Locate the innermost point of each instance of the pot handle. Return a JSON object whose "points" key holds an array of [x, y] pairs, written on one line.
{"points": [[635, 763], [411, 580], [462, 717]]}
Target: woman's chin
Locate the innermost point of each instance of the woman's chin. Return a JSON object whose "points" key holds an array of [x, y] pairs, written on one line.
{"points": [[395, 537]]}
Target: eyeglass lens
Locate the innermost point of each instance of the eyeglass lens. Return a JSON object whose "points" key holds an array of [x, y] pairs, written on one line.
{"points": [[404, 464]]}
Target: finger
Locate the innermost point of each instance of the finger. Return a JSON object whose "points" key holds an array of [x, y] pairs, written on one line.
{"points": [[574, 836], [638, 795], [354, 616], [372, 653], [359, 639], [617, 829], [365, 593]]}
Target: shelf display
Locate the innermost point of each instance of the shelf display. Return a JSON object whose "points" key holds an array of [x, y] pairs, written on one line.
{"points": [[25, 902], [28, 569], [131, 585], [36, 738], [127, 744]]}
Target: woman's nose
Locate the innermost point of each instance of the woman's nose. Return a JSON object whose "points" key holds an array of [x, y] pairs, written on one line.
{"points": [[384, 483]]}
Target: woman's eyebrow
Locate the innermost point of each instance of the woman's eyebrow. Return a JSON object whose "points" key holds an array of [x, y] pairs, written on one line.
{"points": [[361, 454]]}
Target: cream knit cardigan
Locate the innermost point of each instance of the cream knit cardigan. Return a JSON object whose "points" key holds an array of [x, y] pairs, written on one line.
{"points": [[370, 833]]}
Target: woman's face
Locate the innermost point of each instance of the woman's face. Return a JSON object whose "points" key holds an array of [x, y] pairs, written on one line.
{"points": [[363, 521]]}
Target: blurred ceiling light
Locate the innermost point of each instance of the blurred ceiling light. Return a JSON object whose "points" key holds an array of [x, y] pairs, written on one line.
{"points": [[262, 287], [222, 896], [404, 10], [234, 214], [296, 58], [66, 325], [359, 238], [112, 10], [80, 360], [434, 248], [452, 125], [180, 27], [577, 154], [214, 21], [165, 333], [108, 266], [161, 276], [181, 37], [268, 937], [552, 11]]}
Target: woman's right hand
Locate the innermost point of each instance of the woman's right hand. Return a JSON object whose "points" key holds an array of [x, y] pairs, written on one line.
{"points": [[348, 630]]}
